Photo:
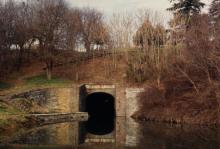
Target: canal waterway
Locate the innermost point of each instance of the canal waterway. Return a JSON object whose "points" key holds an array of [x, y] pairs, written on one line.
{"points": [[126, 133]]}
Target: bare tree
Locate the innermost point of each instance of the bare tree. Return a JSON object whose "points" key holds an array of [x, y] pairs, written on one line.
{"points": [[121, 27], [73, 28], [8, 19], [150, 62], [93, 28], [8, 15], [199, 45], [1, 27], [23, 30], [49, 26]]}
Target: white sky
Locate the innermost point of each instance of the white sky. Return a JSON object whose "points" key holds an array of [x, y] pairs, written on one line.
{"points": [[110, 6]]}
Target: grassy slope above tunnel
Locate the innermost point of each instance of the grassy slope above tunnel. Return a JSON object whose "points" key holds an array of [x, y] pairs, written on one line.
{"points": [[102, 70]]}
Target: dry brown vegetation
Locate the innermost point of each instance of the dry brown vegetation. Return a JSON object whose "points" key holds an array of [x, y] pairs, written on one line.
{"points": [[47, 30], [180, 65], [189, 93], [98, 70]]}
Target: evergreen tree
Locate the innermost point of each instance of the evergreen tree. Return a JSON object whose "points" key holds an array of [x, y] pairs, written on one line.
{"points": [[215, 10], [186, 8], [215, 21]]}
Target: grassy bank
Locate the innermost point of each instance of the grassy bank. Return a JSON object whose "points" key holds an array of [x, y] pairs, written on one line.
{"points": [[10, 117], [4, 86], [10, 108], [42, 80], [35, 82]]}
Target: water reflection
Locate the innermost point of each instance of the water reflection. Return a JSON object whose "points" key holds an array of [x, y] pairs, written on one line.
{"points": [[178, 137], [127, 134], [56, 134], [100, 126]]}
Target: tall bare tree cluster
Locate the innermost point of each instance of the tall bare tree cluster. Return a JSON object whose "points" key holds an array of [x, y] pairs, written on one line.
{"points": [[191, 81], [121, 29], [191, 45], [149, 62], [52, 27], [199, 61]]}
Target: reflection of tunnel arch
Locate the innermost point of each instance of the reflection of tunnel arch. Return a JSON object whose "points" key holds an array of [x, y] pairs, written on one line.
{"points": [[101, 109]]}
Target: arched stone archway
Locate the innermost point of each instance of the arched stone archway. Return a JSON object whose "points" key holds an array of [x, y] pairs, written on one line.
{"points": [[100, 104], [95, 90], [101, 109]]}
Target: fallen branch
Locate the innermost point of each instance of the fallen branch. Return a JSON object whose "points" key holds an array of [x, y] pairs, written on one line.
{"points": [[191, 81]]}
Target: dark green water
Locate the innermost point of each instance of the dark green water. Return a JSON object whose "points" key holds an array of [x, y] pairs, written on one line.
{"points": [[126, 134]]}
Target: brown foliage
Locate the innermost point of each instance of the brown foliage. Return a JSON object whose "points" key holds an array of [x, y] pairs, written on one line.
{"points": [[49, 27], [191, 88], [151, 97]]}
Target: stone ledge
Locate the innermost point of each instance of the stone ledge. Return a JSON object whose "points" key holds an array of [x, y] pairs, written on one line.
{"points": [[91, 86], [43, 119]]}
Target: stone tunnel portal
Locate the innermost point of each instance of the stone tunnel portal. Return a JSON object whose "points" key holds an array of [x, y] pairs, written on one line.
{"points": [[101, 109]]}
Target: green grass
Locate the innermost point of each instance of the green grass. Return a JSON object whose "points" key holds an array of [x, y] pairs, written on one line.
{"points": [[42, 80], [9, 110], [3, 109], [36, 82], [4, 86], [4, 122], [9, 114]]}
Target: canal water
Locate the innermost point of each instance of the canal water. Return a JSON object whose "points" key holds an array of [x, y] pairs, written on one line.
{"points": [[103, 130], [126, 133]]}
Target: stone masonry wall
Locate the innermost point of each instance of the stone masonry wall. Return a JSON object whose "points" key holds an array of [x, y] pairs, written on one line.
{"points": [[132, 100], [68, 100]]}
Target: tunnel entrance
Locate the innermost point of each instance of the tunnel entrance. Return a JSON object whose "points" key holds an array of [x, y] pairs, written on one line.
{"points": [[101, 109]]}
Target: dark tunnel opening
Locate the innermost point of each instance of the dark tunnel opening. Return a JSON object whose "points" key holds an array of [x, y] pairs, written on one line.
{"points": [[101, 109]]}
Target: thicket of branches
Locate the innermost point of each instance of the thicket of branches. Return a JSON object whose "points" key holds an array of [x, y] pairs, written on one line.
{"points": [[193, 43], [47, 29], [187, 64], [51, 31]]}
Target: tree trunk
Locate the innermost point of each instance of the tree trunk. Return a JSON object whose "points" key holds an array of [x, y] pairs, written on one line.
{"points": [[49, 70], [20, 58], [209, 77], [87, 46], [190, 80], [158, 81], [49, 74]]}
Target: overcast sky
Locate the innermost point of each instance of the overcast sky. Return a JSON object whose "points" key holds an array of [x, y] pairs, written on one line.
{"points": [[110, 6]]}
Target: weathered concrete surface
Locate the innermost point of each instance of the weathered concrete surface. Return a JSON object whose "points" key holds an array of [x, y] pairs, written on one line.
{"points": [[120, 128], [132, 133], [120, 101], [109, 138], [55, 100], [109, 89], [43, 119], [132, 100], [126, 99], [73, 99]]}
